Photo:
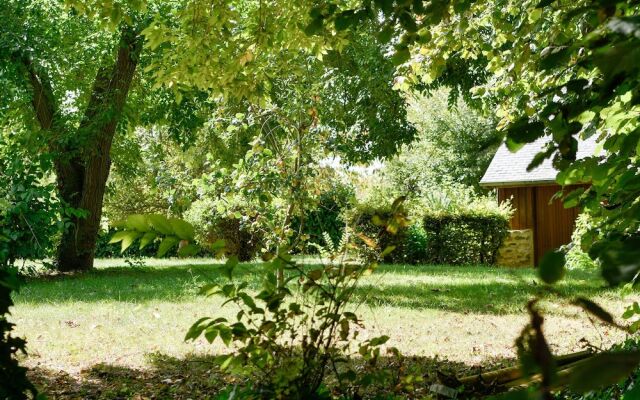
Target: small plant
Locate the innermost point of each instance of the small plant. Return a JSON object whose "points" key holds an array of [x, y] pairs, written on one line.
{"points": [[287, 338]]}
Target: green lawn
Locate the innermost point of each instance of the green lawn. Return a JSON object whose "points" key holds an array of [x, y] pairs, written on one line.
{"points": [[131, 321]]}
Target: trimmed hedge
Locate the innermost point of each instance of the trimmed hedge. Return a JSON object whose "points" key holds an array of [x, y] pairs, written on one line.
{"points": [[464, 238], [442, 237]]}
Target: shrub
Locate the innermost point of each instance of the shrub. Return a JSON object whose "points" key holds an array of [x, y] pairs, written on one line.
{"points": [[286, 338], [576, 257], [234, 223], [379, 228], [327, 216], [30, 219], [464, 238]]}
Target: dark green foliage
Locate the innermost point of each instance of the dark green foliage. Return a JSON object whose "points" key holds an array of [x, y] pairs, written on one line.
{"points": [[327, 216], [551, 268], [370, 224], [366, 118], [464, 238], [29, 222], [239, 239], [14, 384], [30, 214], [414, 247]]}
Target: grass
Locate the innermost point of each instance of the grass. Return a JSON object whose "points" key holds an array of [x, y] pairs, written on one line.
{"points": [[125, 319]]}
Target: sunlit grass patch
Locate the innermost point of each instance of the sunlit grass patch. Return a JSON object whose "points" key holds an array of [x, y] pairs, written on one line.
{"points": [[118, 315]]}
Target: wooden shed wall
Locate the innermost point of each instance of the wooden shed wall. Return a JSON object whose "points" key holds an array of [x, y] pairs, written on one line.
{"points": [[552, 224]]}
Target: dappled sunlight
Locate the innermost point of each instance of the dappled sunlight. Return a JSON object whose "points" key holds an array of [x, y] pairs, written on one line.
{"points": [[471, 314]]}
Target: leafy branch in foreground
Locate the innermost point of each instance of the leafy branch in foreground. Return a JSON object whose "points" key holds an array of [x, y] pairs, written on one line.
{"points": [[170, 232], [288, 337]]}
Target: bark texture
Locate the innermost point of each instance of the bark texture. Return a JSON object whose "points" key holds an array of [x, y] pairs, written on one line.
{"points": [[83, 162]]}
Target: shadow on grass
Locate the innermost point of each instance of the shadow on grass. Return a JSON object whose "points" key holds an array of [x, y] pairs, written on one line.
{"points": [[472, 289], [497, 298], [198, 377]]}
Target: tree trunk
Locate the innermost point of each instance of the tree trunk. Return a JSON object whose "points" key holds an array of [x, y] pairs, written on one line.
{"points": [[82, 170]]}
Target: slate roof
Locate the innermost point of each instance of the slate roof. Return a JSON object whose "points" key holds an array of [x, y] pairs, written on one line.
{"points": [[510, 169]]}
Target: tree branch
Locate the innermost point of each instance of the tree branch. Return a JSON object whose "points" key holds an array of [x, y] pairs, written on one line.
{"points": [[110, 90], [43, 101]]}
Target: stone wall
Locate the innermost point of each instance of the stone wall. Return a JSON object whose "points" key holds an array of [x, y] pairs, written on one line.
{"points": [[517, 249]]}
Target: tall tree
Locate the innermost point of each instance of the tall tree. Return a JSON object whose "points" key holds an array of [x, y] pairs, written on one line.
{"points": [[80, 139], [68, 68]]}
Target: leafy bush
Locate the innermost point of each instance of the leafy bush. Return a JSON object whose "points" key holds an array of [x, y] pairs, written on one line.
{"points": [[327, 216], [576, 257], [414, 247], [30, 220], [465, 238], [31, 217], [450, 226], [289, 336], [232, 222], [379, 228]]}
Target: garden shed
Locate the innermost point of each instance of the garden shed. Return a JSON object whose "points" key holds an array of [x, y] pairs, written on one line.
{"points": [[539, 223]]}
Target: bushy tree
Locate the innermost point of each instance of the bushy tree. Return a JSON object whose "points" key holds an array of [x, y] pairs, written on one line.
{"points": [[454, 144]]}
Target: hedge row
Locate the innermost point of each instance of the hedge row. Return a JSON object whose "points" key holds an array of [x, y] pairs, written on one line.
{"points": [[455, 239], [464, 238], [444, 237]]}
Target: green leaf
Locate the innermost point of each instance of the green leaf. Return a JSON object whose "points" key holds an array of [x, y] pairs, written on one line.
{"points": [[385, 34], [551, 268], [344, 20], [229, 266], [401, 55], [387, 251], [166, 245], [225, 335], [620, 258], [128, 239], [196, 329], [523, 131], [315, 26], [633, 394], [118, 236], [554, 57], [137, 222], [160, 223], [595, 310], [602, 370], [147, 238], [182, 229], [189, 250]]}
